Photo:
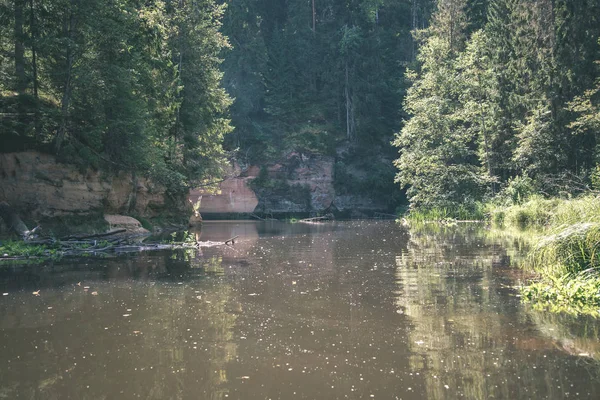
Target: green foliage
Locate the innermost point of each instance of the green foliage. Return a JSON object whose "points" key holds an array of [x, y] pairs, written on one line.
{"points": [[566, 254], [439, 161], [572, 294], [23, 249], [181, 237], [517, 190], [539, 213], [462, 212], [119, 85], [571, 251], [582, 209], [308, 88], [489, 107], [595, 178], [533, 214]]}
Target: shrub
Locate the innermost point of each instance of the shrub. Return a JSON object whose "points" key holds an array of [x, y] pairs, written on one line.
{"points": [[518, 190], [573, 250], [570, 293]]}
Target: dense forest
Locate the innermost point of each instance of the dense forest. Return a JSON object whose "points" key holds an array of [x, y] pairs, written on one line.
{"points": [[130, 85], [504, 101], [482, 95], [313, 73], [118, 84]]}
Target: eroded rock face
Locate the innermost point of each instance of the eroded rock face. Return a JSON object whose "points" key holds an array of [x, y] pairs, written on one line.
{"points": [[316, 174], [122, 221], [235, 196], [38, 186], [300, 182]]}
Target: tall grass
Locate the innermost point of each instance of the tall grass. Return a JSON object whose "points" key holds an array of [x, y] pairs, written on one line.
{"points": [[567, 254], [469, 212], [539, 213], [582, 209], [535, 213], [571, 293], [566, 244]]}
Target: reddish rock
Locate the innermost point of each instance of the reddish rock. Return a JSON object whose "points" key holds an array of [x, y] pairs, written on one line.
{"points": [[38, 186], [121, 221], [234, 196]]}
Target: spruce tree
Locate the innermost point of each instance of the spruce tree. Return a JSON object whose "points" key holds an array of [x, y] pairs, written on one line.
{"points": [[438, 154]]}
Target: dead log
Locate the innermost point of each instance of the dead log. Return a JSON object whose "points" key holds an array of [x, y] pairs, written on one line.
{"points": [[326, 217], [97, 235], [13, 221]]}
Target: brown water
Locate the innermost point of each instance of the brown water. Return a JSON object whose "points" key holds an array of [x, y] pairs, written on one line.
{"points": [[345, 310]]}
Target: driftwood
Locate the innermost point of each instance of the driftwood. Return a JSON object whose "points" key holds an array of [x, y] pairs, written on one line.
{"points": [[99, 243], [379, 215], [53, 248], [326, 217], [232, 240], [252, 215], [97, 235]]}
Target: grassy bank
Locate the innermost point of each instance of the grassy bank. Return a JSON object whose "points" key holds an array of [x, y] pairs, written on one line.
{"points": [[546, 215], [473, 212], [565, 254]]}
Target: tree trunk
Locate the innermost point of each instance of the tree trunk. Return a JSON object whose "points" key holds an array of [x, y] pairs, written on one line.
{"points": [[66, 98], [21, 84], [314, 16], [349, 107], [414, 27], [33, 29], [177, 128], [21, 77]]}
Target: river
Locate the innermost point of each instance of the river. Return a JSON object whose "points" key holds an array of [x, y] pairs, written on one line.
{"points": [[337, 310]]}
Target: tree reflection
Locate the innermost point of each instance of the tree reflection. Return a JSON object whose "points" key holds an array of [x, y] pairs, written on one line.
{"points": [[145, 338], [467, 337]]}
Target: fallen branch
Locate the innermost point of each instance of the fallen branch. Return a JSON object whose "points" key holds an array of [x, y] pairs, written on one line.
{"points": [[326, 217], [97, 235], [379, 215], [232, 240], [53, 249]]}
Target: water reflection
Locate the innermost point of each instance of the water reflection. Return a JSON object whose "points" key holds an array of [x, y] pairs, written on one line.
{"points": [[471, 336], [143, 338], [331, 311]]}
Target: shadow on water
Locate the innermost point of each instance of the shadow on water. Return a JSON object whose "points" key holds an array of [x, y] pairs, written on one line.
{"points": [[324, 311]]}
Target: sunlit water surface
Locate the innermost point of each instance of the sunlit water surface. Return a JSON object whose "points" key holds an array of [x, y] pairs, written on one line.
{"points": [[343, 310]]}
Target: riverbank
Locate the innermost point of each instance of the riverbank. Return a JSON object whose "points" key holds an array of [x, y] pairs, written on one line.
{"points": [[565, 254], [565, 246], [54, 238]]}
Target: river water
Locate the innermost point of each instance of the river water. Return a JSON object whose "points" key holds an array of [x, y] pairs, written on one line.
{"points": [[341, 310]]}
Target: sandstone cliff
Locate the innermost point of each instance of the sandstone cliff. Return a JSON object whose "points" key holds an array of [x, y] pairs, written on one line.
{"points": [[300, 183], [37, 186]]}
